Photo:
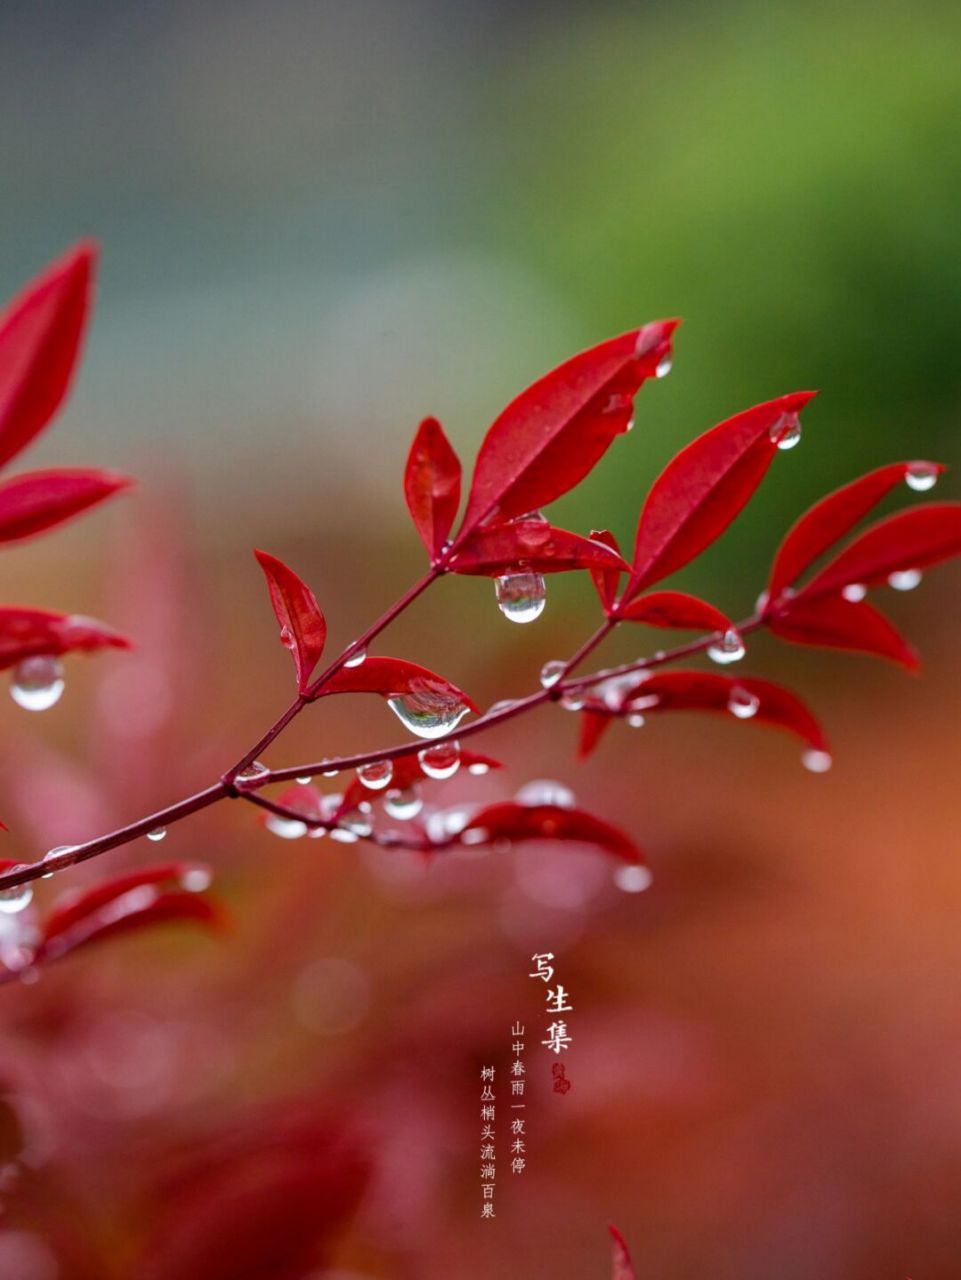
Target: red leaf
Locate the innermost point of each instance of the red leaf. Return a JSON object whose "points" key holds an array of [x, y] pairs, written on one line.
{"points": [[39, 500], [432, 485], [548, 438], [531, 546], [515, 822], [830, 519], [606, 581], [700, 491], [302, 627], [910, 539], [675, 610], [594, 724], [28, 633], [162, 908], [836, 623], [621, 1266], [406, 772], [74, 908], [40, 335], [391, 677]]}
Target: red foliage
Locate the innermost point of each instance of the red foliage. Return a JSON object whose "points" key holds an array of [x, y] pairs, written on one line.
{"points": [[302, 627]]}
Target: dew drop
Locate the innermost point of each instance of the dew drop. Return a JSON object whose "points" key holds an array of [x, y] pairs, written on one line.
{"points": [[252, 773], [316, 833], [573, 700], [54, 855], [664, 366], [904, 579], [546, 791], [331, 773], [786, 432], [743, 704], [403, 803], [633, 879], [15, 899], [286, 637], [343, 835], [635, 720], [551, 672], [37, 683], [196, 879], [157, 834], [357, 822], [356, 659], [377, 774], [304, 781], [478, 768], [854, 592], [521, 596], [440, 761], [921, 476], [816, 761], [286, 828], [429, 710], [730, 648], [476, 835], [496, 708]]}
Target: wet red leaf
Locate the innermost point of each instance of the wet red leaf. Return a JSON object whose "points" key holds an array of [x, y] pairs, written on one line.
{"points": [[391, 677], [606, 580], [75, 908], [40, 500], [163, 908], [621, 1266], [432, 482], [594, 724], [514, 822], [27, 633], [531, 546], [703, 488], [676, 610], [835, 623], [303, 629], [40, 336], [548, 438]]}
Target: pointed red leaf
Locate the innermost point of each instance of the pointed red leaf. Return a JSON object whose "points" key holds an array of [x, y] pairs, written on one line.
{"points": [[606, 581], [911, 539], [391, 677], [40, 500], [156, 908], [594, 724], [831, 518], [302, 798], [703, 488], [405, 773], [836, 623], [548, 439], [432, 485], [621, 1266], [302, 627], [676, 610], [28, 633], [40, 335], [531, 546], [514, 822], [76, 907]]}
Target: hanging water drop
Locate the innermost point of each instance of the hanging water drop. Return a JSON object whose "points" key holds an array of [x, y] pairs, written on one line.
{"points": [[904, 579], [343, 835], [57, 858], [573, 700], [37, 683], [441, 760], [729, 648], [403, 803], [429, 710], [633, 879], [157, 834], [546, 791], [476, 835], [635, 720], [743, 704], [304, 781], [357, 822], [816, 761], [479, 768], [196, 879], [786, 432], [664, 366], [521, 596], [551, 672], [921, 476], [252, 773], [854, 592], [15, 899], [286, 828], [377, 774], [356, 659]]}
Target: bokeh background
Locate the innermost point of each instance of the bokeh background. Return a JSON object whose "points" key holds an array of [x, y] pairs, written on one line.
{"points": [[319, 223]]}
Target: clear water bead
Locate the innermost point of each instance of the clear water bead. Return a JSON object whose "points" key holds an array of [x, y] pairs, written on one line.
{"points": [[786, 432], [343, 835], [904, 579], [54, 856], [196, 879], [403, 803], [356, 659], [358, 822], [633, 879], [286, 828], [304, 781], [635, 720], [479, 768], [743, 704], [157, 834], [551, 672], [921, 476], [252, 773], [816, 761], [37, 683], [664, 366], [377, 774], [17, 898], [429, 710], [546, 791], [573, 700], [729, 648], [521, 596], [854, 592], [441, 760]]}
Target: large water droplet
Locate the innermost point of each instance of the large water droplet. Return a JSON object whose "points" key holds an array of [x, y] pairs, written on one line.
{"points": [[743, 704], [921, 476], [441, 760], [904, 579], [521, 596], [377, 774], [429, 710], [729, 648], [15, 899], [157, 834], [37, 683], [356, 659], [403, 803], [816, 761], [854, 592], [786, 432], [664, 366], [546, 791], [253, 772], [286, 828], [573, 699], [551, 672], [633, 879]]}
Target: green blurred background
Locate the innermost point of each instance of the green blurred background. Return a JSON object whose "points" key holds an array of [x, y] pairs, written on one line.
{"points": [[321, 222]]}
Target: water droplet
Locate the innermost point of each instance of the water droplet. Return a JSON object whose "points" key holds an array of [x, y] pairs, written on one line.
{"points": [[551, 672], [55, 855], [664, 366], [478, 768], [730, 648], [304, 781], [743, 704], [921, 476], [496, 708], [196, 879], [441, 760], [286, 828], [854, 592], [15, 899], [573, 699], [786, 432], [546, 791], [476, 835], [429, 710], [816, 761], [633, 879], [403, 803], [287, 637], [358, 822], [377, 774], [331, 773], [252, 773], [904, 579], [37, 683], [521, 596], [157, 834], [356, 659], [635, 720], [618, 403], [316, 833], [761, 603], [343, 835]]}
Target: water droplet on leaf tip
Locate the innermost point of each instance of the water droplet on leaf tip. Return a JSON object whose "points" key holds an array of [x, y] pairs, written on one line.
{"points": [[786, 432], [904, 579], [551, 672], [37, 683], [429, 711], [356, 659], [743, 704], [403, 803], [376, 775], [521, 596], [633, 879], [816, 761], [854, 592], [664, 366], [921, 476], [440, 761]]}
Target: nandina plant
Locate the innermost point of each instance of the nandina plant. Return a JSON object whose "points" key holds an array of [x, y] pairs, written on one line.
{"points": [[540, 447]]}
